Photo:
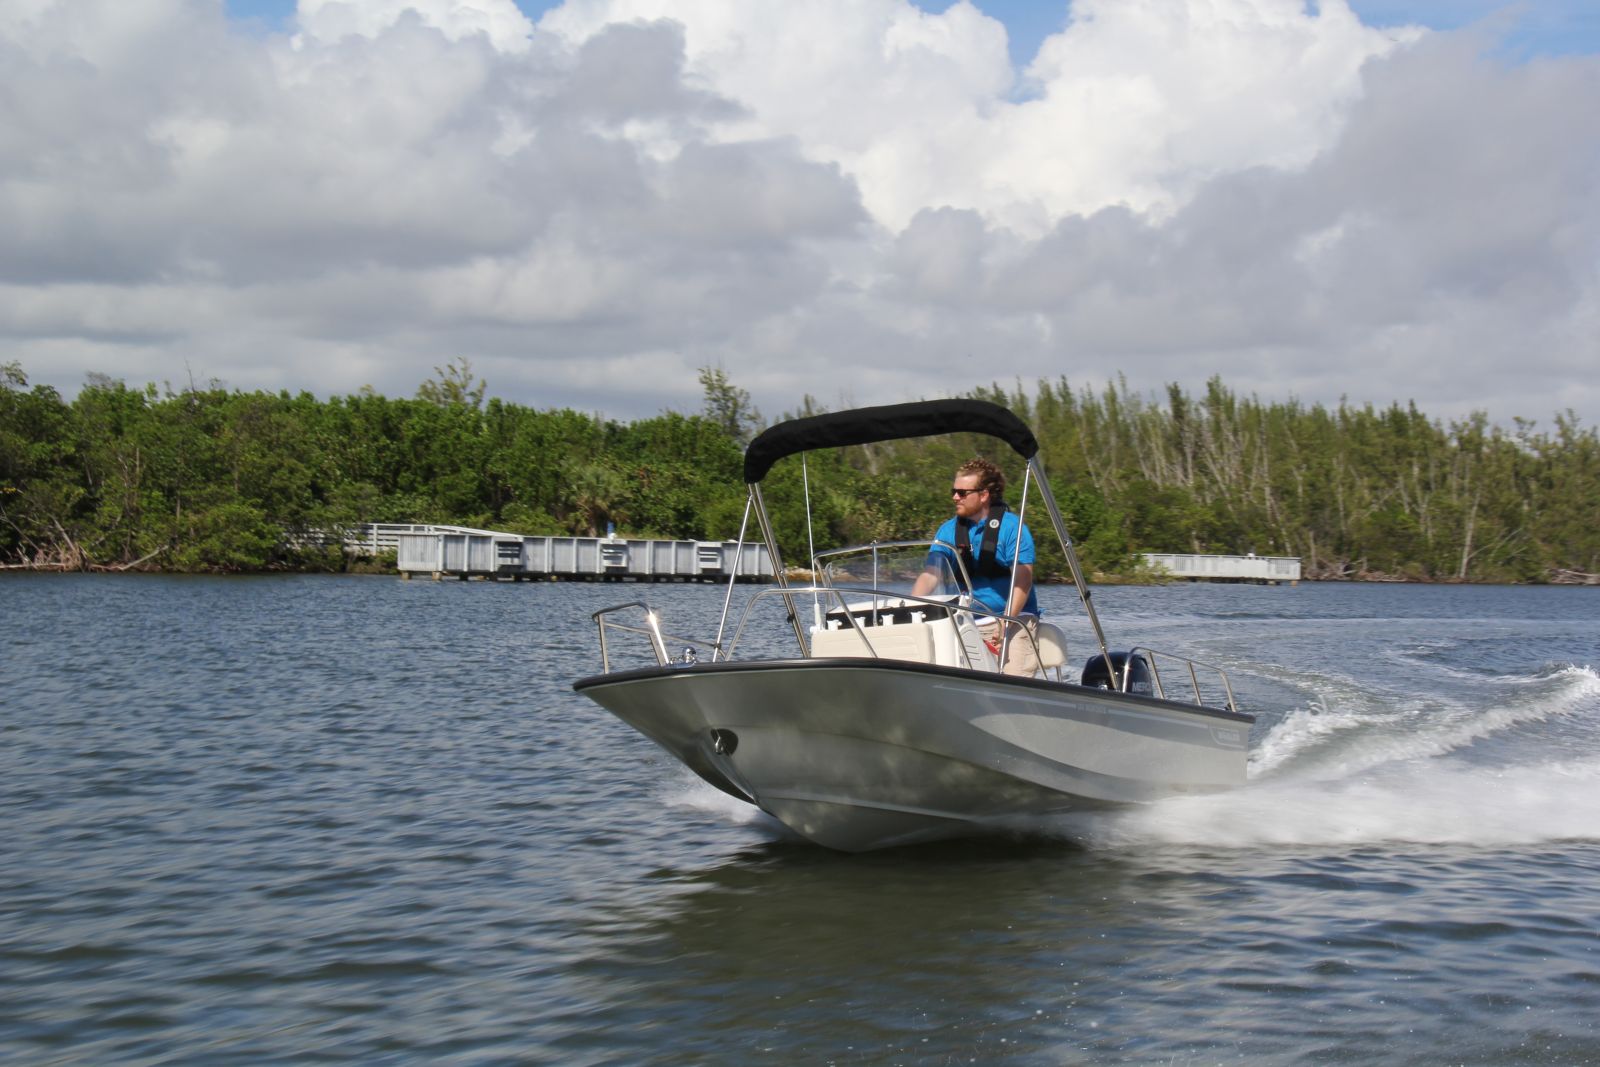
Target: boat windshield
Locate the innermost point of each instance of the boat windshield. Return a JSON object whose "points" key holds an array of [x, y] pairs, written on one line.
{"points": [[891, 568]]}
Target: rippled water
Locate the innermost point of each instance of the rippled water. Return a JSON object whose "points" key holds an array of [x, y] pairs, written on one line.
{"points": [[312, 819]]}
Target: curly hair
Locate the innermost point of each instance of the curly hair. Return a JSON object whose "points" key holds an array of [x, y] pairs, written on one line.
{"points": [[990, 477]]}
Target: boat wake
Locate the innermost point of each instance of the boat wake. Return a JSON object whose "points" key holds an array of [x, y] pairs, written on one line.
{"points": [[1362, 766], [1348, 729], [1432, 805]]}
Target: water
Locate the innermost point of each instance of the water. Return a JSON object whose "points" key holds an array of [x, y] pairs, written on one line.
{"points": [[359, 820]]}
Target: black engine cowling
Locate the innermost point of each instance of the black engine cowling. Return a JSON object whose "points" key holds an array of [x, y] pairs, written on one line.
{"points": [[1098, 676]]}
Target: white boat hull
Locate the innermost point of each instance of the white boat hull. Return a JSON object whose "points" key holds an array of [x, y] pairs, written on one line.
{"points": [[865, 754]]}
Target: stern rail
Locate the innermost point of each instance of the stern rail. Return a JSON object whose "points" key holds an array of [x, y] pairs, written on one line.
{"points": [[1192, 667]]}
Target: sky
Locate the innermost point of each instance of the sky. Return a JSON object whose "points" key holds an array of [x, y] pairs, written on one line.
{"points": [[859, 201]]}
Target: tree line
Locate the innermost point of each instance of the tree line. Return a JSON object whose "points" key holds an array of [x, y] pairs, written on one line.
{"points": [[198, 479]]}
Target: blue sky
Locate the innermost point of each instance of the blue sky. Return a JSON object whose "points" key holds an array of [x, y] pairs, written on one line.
{"points": [[1536, 27]]}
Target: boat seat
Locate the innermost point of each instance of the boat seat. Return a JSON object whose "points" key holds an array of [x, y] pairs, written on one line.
{"points": [[1052, 646], [911, 641]]}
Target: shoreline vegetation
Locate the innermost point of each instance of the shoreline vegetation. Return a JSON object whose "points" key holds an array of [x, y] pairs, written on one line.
{"points": [[208, 480]]}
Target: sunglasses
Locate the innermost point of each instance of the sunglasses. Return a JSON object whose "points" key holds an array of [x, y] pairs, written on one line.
{"points": [[957, 491]]}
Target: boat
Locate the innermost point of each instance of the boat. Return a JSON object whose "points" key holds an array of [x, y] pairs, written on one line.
{"points": [[883, 718]]}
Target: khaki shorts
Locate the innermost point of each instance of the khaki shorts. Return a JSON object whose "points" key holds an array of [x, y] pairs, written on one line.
{"points": [[1022, 654]]}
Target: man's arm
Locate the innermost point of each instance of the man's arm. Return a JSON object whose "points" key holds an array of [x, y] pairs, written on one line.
{"points": [[1022, 574], [929, 580], [926, 583]]}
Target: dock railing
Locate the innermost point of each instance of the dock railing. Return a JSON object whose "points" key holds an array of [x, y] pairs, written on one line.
{"points": [[1222, 568], [463, 551]]}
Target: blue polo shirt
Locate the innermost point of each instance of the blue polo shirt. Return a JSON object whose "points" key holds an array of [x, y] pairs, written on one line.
{"points": [[991, 592]]}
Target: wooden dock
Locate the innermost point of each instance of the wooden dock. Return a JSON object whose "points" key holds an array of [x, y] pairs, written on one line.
{"points": [[1262, 570], [462, 552]]}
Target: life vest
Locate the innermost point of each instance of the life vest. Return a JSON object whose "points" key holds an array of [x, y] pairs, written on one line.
{"points": [[985, 565]]}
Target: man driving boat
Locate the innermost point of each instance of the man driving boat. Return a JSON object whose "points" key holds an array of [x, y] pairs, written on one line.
{"points": [[997, 552]]}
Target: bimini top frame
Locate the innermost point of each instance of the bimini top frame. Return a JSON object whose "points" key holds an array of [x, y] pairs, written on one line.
{"points": [[862, 426]]}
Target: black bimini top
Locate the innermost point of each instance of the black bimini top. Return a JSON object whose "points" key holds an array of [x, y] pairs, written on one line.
{"points": [[891, 422]]}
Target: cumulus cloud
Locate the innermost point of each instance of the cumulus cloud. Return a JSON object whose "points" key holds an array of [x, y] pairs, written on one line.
{"points": [[855, 199], [1135, 102]]}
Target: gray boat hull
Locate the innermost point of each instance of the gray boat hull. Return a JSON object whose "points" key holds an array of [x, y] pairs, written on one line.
{"points": [[865, 754]]}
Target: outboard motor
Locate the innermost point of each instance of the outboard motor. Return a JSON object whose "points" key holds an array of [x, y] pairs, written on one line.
{"points": [[1097, 675]]}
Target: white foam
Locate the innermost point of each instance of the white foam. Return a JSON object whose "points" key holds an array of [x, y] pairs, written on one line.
{"points": [[1305, 730], [1431, 804], [694, 794], [1349, 730], [1357, 769]]}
